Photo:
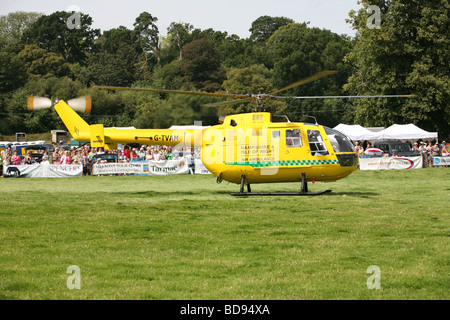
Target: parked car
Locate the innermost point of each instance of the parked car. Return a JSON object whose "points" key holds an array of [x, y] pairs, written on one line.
{"points": [[399, 148], [102, 158]]}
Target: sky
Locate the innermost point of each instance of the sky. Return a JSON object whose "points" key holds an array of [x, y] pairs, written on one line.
{"points": [[232, 16]]}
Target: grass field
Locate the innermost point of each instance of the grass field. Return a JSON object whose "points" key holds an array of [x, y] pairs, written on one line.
{"points": [[185, 237]]}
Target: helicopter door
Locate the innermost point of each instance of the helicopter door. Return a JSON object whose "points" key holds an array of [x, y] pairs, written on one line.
{"points": [[294, 143], [316, 143]]}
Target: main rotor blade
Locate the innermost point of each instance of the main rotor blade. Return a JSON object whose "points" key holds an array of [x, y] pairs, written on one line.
{"points": [[177, 91], [346, 97], [314, 77], [216, 104]]}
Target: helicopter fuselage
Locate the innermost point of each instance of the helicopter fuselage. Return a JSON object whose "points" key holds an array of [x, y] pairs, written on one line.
{"points": [[263, 151], [245, 145]]}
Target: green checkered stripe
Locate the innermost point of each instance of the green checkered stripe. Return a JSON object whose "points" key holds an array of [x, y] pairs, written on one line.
{"points": [[284, 163]]}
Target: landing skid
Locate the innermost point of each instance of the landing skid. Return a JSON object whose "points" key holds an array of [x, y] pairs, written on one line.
{"points": [[245, 194], [304, 191]]}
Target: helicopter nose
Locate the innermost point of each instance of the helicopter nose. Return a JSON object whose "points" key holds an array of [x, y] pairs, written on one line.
{"points": [[348, 160]]}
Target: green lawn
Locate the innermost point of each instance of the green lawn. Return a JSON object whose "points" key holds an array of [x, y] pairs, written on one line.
{"points": [[186, 237]]}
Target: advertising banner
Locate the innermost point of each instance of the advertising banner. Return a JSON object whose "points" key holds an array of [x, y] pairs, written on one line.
{"points": [[115, 168], [164, 167], [43, 170], [200, 167], [388, 163], [441, 161]]}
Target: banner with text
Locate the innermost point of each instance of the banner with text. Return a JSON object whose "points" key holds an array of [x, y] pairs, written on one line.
{"points": [[164, 167], [388, 163], [441, 161], [115, 168], [43, 170]]}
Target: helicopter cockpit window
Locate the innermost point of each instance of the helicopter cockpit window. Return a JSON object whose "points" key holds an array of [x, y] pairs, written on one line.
{"points": [[316, 143], [339, 142], [293, 138]]}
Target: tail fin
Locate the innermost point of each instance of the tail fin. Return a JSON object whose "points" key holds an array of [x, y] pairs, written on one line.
{"points": [[78, 128]]}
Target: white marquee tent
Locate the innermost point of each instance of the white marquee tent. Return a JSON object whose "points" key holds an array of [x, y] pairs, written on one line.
{"points": [[394, 132], [356, 132], [406, 132]]}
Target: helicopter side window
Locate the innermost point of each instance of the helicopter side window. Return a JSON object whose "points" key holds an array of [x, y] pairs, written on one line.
{"points": [[293, 138], [316, 143]]}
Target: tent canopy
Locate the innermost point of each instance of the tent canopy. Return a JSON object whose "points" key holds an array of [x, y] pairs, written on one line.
{"points": [[356, 132], [406, 132], [394, 132]]}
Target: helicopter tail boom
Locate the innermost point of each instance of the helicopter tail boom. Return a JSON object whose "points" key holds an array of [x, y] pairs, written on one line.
{"points": [[78, 128], [108, 138]]}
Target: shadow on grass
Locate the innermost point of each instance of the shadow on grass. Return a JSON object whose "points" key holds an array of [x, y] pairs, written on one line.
{"points": [[151, 193], [354, 194]]}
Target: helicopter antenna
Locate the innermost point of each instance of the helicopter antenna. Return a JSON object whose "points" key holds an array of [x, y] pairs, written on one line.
{"points": [[282, 116], [315, 120]]}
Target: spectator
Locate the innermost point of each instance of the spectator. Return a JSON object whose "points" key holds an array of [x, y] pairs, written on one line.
{"points": [[156, 155], [149, 155], [429, 157], [15, 159], [359, 149], [56, 156], [65, 158], [141, 153], [424, 151], [126, 153], [444, 150], [435, 150], [45, 157], [28, 159]]}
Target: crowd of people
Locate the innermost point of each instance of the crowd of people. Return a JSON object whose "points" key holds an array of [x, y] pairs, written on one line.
{"points": [[85, 154], [427, 149]]}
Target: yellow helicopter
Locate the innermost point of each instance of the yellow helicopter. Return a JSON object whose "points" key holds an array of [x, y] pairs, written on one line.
{"points": [[245, 148]]}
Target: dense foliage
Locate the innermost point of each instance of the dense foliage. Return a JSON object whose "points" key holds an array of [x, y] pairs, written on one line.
{"points": [[40, 55]]}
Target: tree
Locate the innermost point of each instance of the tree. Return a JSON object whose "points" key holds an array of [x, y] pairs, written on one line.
{"points": [[40, 63], [201, 65], [112, 39], [52, 34], [12, 70], [13, 25], [114, 69], [178, 35], [147, 34], [264, 27], [298, 52], [408, 54]]}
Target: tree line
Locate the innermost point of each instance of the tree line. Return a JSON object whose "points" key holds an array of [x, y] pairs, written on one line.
{"points": [[408, 54]]}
